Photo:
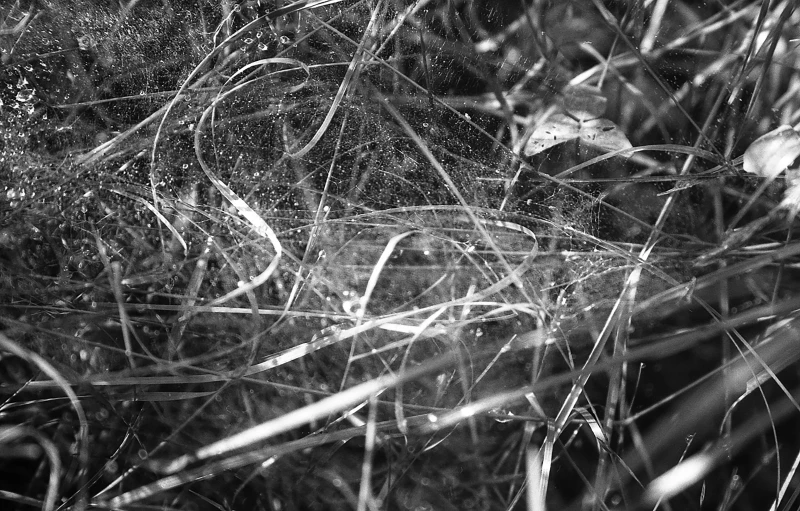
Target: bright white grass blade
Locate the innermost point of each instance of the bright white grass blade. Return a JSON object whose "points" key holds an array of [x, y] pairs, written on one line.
{"points": [[536, 493], [264, 456], [365, 497], [300, 5], [115, 276], [776, 350], [545, 460], [692, 470], [627, 296], [786, 482], [376, 271], [654, 26], [678, 478], [259, 225], [319, 410]]}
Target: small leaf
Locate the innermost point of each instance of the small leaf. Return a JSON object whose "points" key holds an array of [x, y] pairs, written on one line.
{"points": [[560, 128], [772, 153], [604, 134]]}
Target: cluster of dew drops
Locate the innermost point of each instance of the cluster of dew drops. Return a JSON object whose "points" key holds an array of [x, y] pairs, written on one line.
{"points": [[12, 117]]}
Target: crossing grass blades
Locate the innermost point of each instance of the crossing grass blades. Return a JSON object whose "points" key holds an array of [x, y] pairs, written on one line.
{"points": [[399, 255]]}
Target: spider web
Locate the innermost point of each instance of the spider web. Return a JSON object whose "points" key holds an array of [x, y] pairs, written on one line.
{"points": [[376, 152]]}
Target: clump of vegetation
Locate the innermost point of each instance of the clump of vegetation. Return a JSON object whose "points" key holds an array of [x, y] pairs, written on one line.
{"points": [[399, 255]]}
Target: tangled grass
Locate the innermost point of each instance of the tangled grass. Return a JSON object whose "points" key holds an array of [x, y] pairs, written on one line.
{"points": [[396, 255]]}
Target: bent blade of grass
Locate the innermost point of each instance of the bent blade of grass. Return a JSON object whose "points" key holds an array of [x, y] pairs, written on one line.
{"points": [[398, 400], [115, 275], [344, 87], [533, 477], [259, 225], [365, 495], [161, 218], [10, 434], [189, 300], [83, 424], [296, 64], [165, 111], [786, 482], [377, 269]]}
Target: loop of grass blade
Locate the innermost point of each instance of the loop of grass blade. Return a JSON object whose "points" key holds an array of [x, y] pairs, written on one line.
{"points": [[259, 225], [9, 434], [344, 87], [83, 428]]}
